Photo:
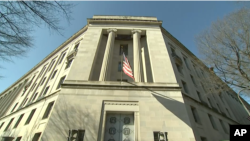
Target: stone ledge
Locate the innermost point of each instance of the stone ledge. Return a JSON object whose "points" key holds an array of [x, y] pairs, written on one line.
{"points": [[119, 85]]}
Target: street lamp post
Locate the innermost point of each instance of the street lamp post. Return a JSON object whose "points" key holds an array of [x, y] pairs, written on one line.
{"points": [[242, 102]]}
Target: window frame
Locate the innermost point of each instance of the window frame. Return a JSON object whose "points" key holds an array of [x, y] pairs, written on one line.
{"points": [[48, 110], [30, 117]]}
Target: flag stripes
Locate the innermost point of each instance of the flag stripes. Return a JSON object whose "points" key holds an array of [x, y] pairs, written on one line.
{"points": [[126, 67]]}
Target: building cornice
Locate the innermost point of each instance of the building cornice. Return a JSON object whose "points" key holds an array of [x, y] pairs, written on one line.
{"points": [[123, 21], [47, 57]]}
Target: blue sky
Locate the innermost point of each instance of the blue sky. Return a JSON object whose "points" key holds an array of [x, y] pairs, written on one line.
{"points": [[184, 20]]}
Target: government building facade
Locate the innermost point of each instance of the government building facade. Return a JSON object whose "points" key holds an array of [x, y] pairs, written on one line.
{"points": [[80, 93]]}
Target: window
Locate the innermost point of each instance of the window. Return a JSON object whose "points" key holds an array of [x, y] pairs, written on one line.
{"points": [[193, 80], [30, 116], [223, 126], [7, 127], [34, 97], [54, 74], [203, 139], [160, 136], [69, 63], [186, 63], [184, 86], [60, 82], [18, 138], [42, 71], [36, 137], [14, 107], [51, 65], [221, 98], [62, 57], [25, 101], [196, 70], [199, 95], [47, 112], [228, 112], [76, 47], [119, 67], [195, 115], [172, 50], [219, 107], [18, 121], [212, 121], [203, 87], [1, 125], [33, 87], [124, 48], [43, 81], [179, 68], [46, 90], [209, 102]]}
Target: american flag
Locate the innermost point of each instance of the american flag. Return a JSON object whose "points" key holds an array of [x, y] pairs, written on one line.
{"points": [[126, 67]]}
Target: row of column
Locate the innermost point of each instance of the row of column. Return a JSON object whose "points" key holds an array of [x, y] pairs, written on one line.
{"points": [[107, 59]]}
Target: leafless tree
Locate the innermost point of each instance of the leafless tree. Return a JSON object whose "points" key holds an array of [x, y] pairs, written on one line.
{"points": [[18, 18], [225, 47]]}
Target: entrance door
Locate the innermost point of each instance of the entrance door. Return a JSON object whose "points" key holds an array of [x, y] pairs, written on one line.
{"points": [[119, 127]]}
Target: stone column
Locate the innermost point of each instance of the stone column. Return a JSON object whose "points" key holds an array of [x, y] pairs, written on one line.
{"points": [[107, 58], [144, 64], [136, 55]]}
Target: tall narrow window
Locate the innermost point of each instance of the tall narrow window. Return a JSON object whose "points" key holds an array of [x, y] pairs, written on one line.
{"points": [[228, 112], [14, 107], [69, 63], [30, 116], [193, 80], [223, 126], [36, 137], [1, 125], [7, 127], [51, 65], [184, 86], [33, 87], [203, 139], [76, 47], [18, 121], [54, 74], [119, 67], [203, 87], [47, 112], [46, 90], [221, 98], [43, 81], [209, 102], [25, 101], [62, 57], [42, 71], [186, 63], [124, 48], [60, 82], [18, 139], [219, 107], [34, 97], [212, 121], [195, 115], [179, 68], [199, 95]]}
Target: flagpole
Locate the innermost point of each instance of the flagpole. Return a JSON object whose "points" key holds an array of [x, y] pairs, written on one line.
{"points": [[121, 62]]}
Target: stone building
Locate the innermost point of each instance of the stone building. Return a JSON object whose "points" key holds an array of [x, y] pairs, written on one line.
{"points": [[79, 89]]}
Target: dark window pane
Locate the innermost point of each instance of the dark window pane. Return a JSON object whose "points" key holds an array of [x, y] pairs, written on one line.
{"points": [[36, 137], [47, 112], [124, 48], [119, 67], [61, 59], [30, 116], [69, 64], [7, 127], [60, 82], [54, 74], [18, 121]]}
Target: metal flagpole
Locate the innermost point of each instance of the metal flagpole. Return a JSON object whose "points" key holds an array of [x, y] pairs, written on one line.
{"points": [[121, 61]]}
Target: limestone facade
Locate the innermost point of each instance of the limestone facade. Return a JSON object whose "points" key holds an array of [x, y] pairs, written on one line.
{"points": [[78, 87]]}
